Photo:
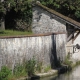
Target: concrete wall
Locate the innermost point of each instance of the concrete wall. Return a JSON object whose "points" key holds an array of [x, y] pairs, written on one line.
{"points": [[44, 48], [45, 22]]}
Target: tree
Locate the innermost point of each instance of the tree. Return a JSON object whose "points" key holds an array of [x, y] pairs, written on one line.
{"points": [[69, 8], [21, 7], [4, 7]]}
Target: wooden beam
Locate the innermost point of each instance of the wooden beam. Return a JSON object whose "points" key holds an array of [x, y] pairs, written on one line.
{"points": [[70, 37], [76, 36]]}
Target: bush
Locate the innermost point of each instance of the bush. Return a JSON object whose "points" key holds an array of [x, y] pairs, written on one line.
{"points": [[19, 70], [30, 66], [47, 68], [39, 66], [4, 73]]}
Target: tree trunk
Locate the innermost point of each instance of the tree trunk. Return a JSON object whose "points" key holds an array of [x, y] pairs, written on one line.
{"points": [[2, 23]]}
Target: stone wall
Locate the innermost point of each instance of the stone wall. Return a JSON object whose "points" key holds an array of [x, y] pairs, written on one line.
{"points": [[45, 22], [44, 48]]}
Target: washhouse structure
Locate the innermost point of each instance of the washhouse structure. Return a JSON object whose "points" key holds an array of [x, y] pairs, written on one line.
{"points": [[46, 20], [55, 36]]}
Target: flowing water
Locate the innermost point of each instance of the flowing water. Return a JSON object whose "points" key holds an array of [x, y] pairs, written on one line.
{"points": [[73, 75]]}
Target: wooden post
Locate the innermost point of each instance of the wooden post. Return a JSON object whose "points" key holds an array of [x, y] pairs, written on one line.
{"points": [[76, 36]]}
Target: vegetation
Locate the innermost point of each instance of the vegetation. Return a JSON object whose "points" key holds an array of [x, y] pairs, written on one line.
{"points": [[47, 68], [28, 68], [39, 67], [67, 61], [70, 63], [13, 33], [70, 8], [19, 70], [15, 13], [4, 73]]}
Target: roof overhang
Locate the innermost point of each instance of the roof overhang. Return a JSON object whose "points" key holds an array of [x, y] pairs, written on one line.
{"points": [[60, 16]]}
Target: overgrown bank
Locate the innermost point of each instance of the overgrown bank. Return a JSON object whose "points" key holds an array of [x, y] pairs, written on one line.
{"points": [[27, 69], [70, 63], [31, 68]]}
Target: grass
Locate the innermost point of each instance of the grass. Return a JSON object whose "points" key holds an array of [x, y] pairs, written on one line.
{"points": [[14, 33], [47, 68]]}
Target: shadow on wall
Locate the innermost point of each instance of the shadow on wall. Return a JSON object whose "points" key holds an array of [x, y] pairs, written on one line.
{"points": [[55, 62]]}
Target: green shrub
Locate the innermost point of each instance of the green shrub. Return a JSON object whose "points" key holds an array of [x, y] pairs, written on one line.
{"points": [[30, 66], [19, 70], [47, 68], [4, 73], [2, 32], [39, 66], [68, 62]]}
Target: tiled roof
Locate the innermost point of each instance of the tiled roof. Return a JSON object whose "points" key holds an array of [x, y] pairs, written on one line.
{"points": [[62, 17]]}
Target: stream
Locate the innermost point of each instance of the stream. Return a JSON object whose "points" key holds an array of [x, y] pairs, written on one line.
{"points": [[73, 75]]}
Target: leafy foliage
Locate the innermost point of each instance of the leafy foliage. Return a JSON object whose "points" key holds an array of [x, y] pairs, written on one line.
{"points": [[19, 70], [67, 7], [30, 66], [77, 14], [39, 66], [67, 60], [4, 73], [21, 8]]}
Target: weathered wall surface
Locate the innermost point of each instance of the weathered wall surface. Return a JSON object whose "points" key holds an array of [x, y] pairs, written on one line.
{"points": [[45, 22], [43, 48], [76, 55], [60, 46]]}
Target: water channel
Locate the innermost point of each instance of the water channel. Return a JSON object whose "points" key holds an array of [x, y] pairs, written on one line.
{"points": [[73, 75]]}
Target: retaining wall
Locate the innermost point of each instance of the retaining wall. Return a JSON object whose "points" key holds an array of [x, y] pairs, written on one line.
{"points": [[45, 48]]}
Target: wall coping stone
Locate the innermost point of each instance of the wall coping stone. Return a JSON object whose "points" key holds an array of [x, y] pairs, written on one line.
{"points": [[32, 35]]}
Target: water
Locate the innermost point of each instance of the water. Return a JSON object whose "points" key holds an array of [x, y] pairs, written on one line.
{"points": [[73, 75]]}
